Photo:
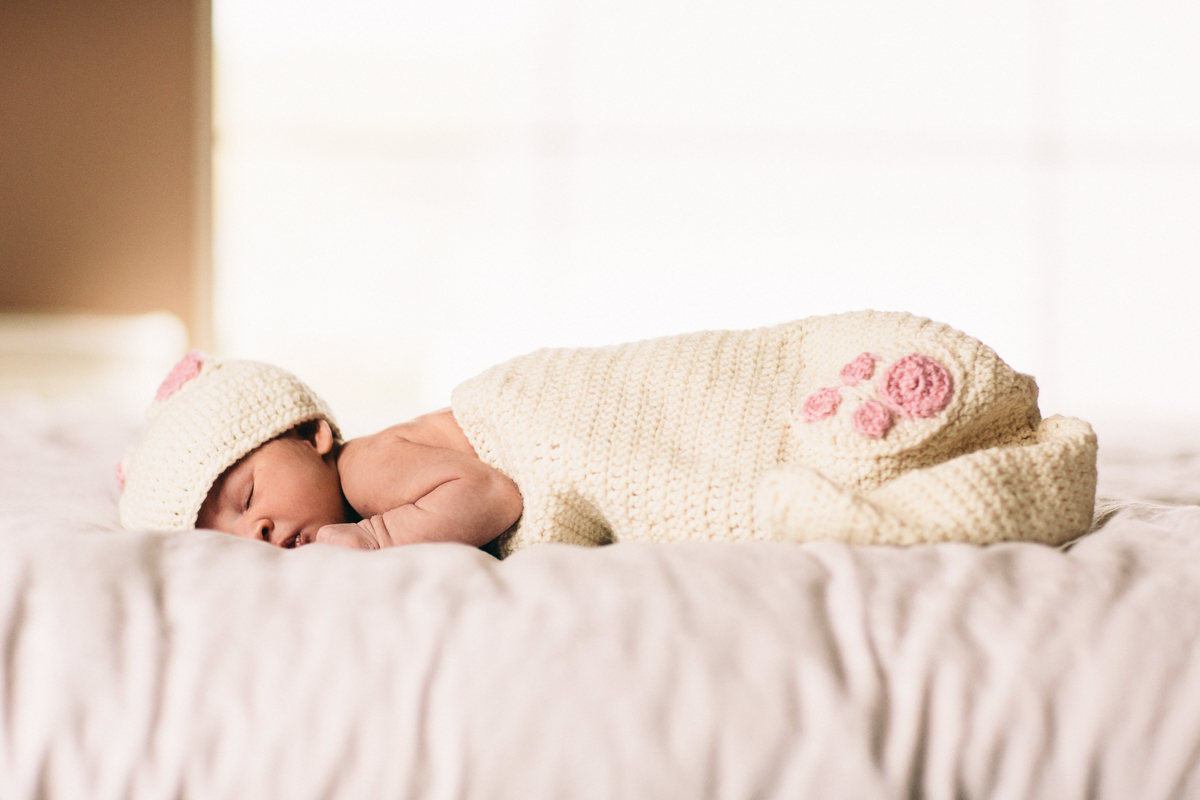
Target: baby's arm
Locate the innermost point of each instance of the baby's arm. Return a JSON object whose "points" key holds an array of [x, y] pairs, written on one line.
{"points": [[410, 491]]}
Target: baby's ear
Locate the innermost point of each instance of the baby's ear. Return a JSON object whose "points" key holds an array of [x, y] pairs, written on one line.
{"points": [[319, 434]]}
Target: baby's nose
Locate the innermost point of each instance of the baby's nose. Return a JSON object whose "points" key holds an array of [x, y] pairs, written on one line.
{"points": [[263, 530]]}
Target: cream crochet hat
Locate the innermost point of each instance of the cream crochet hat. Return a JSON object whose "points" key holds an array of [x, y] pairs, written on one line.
{"points": [[207, 415]]}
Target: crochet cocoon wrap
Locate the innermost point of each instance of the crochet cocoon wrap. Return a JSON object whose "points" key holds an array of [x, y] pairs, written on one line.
{"points": [[868, 427]]}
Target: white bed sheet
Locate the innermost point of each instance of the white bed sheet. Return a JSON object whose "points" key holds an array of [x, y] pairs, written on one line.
{"points": [[199, 666]]}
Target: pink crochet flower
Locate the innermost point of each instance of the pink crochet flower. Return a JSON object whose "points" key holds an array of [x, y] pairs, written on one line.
{"points": [[916, 386], [821, 404], [872, 419], [187, 368], [860, 369]]}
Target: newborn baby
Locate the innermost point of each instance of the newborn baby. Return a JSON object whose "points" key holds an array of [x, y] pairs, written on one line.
{"points": [[867, 427], [247, 448], [419, 481]]}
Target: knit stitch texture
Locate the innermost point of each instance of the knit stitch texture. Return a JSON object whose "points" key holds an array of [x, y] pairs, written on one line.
{"points": [[786, 433]]}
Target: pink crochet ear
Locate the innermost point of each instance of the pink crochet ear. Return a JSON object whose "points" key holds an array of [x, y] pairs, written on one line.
{"points": [[860, 369], [916, 386], [820, 404], [187, 368]]}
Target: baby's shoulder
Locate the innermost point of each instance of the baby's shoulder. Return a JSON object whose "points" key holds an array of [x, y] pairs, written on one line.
{"points": [[418, 440], [435, 429], [400, 464]]}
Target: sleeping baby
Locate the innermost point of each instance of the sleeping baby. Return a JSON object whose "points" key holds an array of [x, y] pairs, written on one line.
{"points": [[867, 427]]}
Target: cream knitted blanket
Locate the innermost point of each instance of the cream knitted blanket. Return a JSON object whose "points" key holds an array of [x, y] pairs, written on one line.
{"points": [[868, 427]]}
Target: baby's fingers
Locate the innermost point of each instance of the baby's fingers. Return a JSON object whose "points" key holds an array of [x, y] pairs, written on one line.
{"points": [[348, 535]]}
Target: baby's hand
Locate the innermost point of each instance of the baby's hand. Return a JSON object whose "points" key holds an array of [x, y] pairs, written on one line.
{"points": [[365, 535]]}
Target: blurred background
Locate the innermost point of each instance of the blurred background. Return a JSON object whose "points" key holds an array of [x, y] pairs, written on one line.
{"points": [[387, 197]]}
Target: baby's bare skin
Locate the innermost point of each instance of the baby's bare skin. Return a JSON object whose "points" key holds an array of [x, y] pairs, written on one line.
{"points": [[419, 481]]}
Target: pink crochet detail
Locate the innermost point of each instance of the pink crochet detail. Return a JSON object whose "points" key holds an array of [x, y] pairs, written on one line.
{"points": [[860, 369], [872, 419], [916, 386], [821, 404], [187, 368], [120, 476]]}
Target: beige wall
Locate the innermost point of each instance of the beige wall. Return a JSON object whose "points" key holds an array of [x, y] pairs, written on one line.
{"points": [[104, 157]]}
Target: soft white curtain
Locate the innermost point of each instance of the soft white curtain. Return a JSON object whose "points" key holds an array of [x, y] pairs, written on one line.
{"points": [[409, 191]]}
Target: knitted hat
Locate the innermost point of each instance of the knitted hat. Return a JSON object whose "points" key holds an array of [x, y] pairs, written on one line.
{"points": [[207, 415]]}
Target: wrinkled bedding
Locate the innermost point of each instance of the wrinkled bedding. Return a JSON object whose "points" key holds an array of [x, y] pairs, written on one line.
{"points": [[194, 665]]}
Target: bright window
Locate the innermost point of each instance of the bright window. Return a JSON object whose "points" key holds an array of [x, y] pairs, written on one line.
{"points": [[408, 192]]}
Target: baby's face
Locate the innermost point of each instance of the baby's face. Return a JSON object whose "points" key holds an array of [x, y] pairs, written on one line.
{"points": [[281, 493]]}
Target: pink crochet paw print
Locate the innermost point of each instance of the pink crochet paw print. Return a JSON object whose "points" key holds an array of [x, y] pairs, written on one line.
{"points": [[916, 386], [872, 419], [187, 368], [860, 369], [821, 404]]}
